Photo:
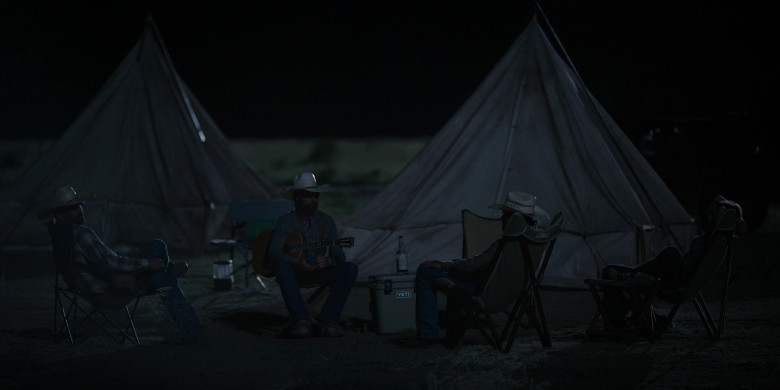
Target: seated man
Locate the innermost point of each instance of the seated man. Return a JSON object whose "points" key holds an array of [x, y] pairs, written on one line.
{"points": [[670, 265], [464, 273], [93, 266], [325, 266]]}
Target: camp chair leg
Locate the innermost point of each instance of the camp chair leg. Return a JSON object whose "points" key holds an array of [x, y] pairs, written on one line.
{"points": [[122, 334], [640, 299], [531, 306], [536, 313], [131, 322], [600, 313], [650, 324], [646, 316], [669, 317], [88, 316], [729, 265], [244, 267], [57, 307], [65, 318], [495, 340], [713, 330], [260, 280], [483, 321], [481, 324], [69, 314], [591, 331], [513, 324], [514, 321]]}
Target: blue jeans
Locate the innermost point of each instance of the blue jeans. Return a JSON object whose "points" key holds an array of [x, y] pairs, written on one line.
{"points": [[427, 310], [180, 308], [341, 278]]}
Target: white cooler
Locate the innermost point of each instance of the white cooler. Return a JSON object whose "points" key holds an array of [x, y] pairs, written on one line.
{"points": [[393, 302]]}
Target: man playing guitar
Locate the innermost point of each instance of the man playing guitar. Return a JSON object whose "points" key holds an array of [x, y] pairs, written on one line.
{"points": [[314, 264]]}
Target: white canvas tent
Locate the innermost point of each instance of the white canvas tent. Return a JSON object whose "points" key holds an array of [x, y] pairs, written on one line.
{"points": [[158, 164], [531, 126]]}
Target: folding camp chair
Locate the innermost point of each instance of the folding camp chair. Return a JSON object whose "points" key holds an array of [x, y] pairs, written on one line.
{"points": [[74, 309], [643, 292], [478, 232], [512, 286], [249, 219]]}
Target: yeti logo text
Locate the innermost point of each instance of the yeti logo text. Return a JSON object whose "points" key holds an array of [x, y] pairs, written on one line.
{"points": [[403, 294]]}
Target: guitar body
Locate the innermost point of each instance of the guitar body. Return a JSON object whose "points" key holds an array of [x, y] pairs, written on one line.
{"points": [[293, 242], [295, 245]]}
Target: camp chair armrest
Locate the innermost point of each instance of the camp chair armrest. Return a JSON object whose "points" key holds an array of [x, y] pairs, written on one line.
{"points": [[630, 283], [223, 242]]}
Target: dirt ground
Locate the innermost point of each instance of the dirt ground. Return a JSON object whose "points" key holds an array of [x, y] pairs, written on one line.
{"points": [[240, 347]]}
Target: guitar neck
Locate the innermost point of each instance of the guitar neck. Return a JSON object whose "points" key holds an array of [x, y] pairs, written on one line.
{"points": [[312, 245]]}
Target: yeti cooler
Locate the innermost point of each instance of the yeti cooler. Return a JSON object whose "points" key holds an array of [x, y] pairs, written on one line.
{"points": [[392, 302]]}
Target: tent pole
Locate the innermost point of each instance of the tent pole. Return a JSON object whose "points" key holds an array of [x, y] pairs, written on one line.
{"points": [[557, 40]]}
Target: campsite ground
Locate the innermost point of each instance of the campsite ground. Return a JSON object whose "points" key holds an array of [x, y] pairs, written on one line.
{"points": [[240, 348]]}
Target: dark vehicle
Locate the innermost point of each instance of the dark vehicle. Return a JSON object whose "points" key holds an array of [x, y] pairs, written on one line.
{"points": [[699, 158]]}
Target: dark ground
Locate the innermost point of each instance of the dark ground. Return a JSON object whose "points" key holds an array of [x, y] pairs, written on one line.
{"points": [[240, 348]]}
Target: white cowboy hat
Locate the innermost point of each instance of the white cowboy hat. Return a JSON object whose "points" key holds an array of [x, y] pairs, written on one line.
{"points": [[522, 203], [64, 197], [304, 181]]}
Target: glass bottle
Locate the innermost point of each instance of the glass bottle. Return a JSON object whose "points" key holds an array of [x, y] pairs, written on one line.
{"points": [[400, 256]]}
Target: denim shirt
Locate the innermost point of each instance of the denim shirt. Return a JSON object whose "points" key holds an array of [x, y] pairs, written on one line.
{"points": [[320, 222]]}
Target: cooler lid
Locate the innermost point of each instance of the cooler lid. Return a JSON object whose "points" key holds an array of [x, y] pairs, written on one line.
{"points": [[400, 277]]}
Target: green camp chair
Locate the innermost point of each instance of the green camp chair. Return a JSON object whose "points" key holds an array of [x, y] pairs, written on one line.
{"points": [[250, 218]]}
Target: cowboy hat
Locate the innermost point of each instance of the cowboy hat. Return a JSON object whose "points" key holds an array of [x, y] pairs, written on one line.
{"points": [[304, 181], [65, 196], [523, 203]]}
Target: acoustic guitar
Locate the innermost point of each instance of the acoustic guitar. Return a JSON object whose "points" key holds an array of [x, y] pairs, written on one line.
{"points": [[295, 245]]}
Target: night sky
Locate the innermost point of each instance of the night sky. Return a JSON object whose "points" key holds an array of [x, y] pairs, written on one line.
{"points": [[388, 68]]}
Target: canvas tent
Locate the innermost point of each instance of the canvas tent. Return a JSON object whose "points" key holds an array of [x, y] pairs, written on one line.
{"points": [[158, 164], [531, 126]]}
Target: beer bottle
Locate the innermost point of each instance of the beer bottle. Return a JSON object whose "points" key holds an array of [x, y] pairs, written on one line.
{"points": [[400, 256]]}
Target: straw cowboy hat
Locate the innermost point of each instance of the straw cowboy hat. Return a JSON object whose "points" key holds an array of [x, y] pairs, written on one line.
{"points": [[64, 197], [304, 181], [523, 203]]}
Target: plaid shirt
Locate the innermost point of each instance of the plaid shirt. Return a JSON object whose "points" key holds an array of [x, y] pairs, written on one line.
{"points": [[90, 249]]}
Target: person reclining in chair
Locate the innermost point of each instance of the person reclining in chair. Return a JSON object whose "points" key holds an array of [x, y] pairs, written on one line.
{"points": [[670, 265], [324, 266], [466, 274], [93, 268]]}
